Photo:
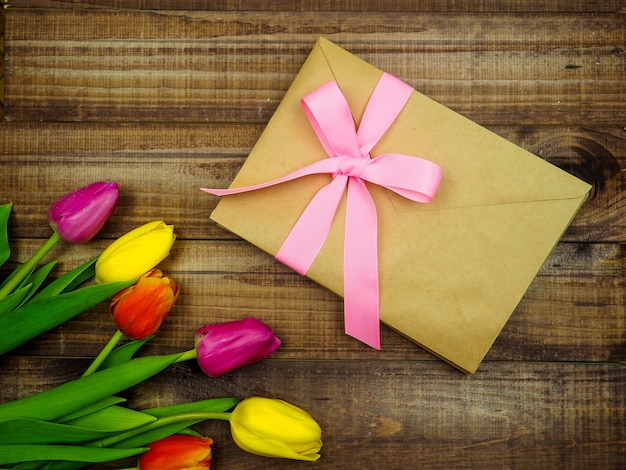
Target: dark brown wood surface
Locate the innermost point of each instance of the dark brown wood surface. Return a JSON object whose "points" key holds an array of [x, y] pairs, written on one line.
{"points": [[166, 97]]}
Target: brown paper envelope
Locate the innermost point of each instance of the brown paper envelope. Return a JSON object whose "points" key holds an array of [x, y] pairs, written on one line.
{"points": [[451, 272]]}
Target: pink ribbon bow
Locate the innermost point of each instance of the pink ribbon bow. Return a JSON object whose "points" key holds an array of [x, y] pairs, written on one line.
{"points": [[350, 165]]}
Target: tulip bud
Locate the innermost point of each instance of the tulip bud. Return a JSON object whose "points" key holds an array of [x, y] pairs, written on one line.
{"points": [[223, 347], [177, 452], [135, 253], [275, 428], [78, 216], [139, 310]]}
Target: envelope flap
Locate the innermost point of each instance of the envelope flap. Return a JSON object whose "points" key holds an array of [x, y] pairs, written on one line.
{"points": [[289, 124], [479, 167]]}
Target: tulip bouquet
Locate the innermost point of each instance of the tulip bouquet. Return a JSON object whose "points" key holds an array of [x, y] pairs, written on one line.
{"points": [[84, 421]]}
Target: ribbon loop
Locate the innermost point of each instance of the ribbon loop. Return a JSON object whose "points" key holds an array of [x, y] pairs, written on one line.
{"points": [[350, 166], [329, 114]]}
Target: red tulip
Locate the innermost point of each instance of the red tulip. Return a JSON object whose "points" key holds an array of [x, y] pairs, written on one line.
{"points": [[78, 216], [223, 347], [177, 452], [139, 310]]}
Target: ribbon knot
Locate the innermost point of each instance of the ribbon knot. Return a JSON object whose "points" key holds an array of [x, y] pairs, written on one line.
{"points": [[350, 166]]}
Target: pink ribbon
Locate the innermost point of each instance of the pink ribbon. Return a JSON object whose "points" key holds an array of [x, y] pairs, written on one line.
{"points": [[350, 165]]}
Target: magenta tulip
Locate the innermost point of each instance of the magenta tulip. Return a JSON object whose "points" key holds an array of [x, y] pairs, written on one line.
{"points": [[223, 347], [78, 216]]}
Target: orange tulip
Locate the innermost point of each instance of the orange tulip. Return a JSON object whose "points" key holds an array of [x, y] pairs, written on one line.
{"points": [[139, 310], [177, 452]]}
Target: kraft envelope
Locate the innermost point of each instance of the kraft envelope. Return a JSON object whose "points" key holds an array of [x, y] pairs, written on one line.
{"points": [[452, 271]]}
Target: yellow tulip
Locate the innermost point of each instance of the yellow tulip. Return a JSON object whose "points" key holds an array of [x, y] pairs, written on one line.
{"points": [[135, 253], [275, 428]]}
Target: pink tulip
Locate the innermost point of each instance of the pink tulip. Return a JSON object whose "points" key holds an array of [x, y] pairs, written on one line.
{"points": [[223, 347], [78, 216]]}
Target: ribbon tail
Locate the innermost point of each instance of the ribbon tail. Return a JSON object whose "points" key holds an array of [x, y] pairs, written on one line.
{"points": [[308, 235], [327, 165], [361, 285]]}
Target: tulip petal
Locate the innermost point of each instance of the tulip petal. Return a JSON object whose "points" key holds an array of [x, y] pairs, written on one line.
{"points": [[139, 310], [139, 232], [223, 347], [136, 252], [177, 452], [78, 216], [275, 428]]}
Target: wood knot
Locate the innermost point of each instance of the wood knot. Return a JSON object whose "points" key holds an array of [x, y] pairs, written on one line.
{"points": [[582, 157]]}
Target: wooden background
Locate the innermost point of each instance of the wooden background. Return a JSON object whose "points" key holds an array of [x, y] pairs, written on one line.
{"points": [[165, 97]]}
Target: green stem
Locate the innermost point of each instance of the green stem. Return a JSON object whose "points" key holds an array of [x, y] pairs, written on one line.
{"points": [[111, 440], [25, 269], [187, 355], [97, 362]]}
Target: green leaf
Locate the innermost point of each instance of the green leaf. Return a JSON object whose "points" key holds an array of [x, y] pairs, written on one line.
{"points": [[13, 300], [41, 315], [65, 465], [92, 408], [36, 278], [212, 405], [72, 396], [13, 274], [69, 281], [151, 435], [81, 274], [172, 419], [21, 453], [113, 419], [124, 353], [35, 431], [189, 432], [5, 249], [32, 465]]}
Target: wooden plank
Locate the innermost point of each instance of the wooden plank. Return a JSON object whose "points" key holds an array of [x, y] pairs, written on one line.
{"points": [[170, 66], [160, 168], [510, 415], [573, 311], [1, 62], [484, 6]]}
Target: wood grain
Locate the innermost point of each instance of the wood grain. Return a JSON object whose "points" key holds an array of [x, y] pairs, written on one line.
{"points": [[235, 66], [168, 96], [148, 157], [473, 6]]}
